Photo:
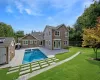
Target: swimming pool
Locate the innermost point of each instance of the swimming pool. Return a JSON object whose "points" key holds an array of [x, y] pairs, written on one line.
{"points": [[31, 55]]}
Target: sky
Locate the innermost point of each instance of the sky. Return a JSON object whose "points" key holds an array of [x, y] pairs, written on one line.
{"points": [[34, 15]]}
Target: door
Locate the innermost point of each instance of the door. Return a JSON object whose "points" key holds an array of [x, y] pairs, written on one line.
{"points": [[2, 55], [57, 44]]}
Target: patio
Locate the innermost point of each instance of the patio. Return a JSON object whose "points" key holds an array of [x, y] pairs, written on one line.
{"points": [[18, 58]]}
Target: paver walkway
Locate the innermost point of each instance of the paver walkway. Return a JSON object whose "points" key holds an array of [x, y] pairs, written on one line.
{"points": [[26, 77], [33, 66]]}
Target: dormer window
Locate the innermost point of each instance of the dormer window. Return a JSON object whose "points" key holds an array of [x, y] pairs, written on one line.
{"points": [[2, 40], [57, 33]]}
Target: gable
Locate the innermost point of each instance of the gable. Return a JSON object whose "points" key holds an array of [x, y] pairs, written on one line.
{"points": [[28, 37], [63, 27]]}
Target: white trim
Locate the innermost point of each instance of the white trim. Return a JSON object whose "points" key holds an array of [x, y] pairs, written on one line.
{"points": [[57, 43], [56, 39], [67, 34], [25, 42], [59, 33], [31, 41]]}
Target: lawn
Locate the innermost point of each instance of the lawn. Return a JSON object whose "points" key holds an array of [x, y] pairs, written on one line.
{"points": [[81, 67], [72, 51], [3, 75]]}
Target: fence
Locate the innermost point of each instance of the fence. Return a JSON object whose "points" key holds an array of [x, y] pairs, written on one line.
{"points": [[75, 43]]}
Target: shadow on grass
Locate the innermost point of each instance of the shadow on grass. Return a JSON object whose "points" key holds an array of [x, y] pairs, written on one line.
{"points": [[91, 59]]}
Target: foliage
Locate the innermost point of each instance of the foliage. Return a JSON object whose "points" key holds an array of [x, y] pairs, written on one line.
{"points": [[91, 37], [19, 33], [86, 20], [6, 30]]}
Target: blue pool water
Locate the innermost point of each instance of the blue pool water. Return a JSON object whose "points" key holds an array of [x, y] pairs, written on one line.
{"points": [[31, 55]]}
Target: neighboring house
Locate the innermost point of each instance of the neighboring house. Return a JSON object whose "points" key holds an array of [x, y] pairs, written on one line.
{"points": [[7, 49], [32, 40], [51, 38], [56, 37]]}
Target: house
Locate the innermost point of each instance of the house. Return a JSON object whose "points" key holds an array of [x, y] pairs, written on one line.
{"points": [[32, 40], [7, 49], [51, 38], [56, 37]]}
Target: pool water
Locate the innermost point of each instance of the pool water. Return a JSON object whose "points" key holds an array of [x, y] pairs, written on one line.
{"points": [[33, 55]]}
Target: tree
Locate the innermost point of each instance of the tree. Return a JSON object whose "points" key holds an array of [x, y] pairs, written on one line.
{"points": [[6, 30], [19, 34], [91, 37], [87, 19]]}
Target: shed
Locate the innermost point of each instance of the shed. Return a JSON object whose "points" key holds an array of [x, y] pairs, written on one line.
{"points": [[7, 49]]}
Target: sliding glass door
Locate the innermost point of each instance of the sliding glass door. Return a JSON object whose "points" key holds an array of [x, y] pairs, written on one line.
{"points": [[57, 44]]}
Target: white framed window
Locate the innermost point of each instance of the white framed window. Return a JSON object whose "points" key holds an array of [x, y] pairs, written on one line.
{"points": [[49, 42], [25, 42], [31, 41], [65, 43], [57, 33], [66, 34]]}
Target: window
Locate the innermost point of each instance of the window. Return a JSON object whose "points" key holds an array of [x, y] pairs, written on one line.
{"points": [[49, 33], [66, 34], [2, 40], [49, 42], [57, 33], [31, 41], [65, 43], [25, 42]]}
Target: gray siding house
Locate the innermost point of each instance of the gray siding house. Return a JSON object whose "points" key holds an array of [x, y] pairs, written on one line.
{"points": [[56, 37], [51, 38], [32, 40]]}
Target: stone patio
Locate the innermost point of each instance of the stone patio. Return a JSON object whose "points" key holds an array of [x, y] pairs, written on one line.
{"points": [[18, 58]]}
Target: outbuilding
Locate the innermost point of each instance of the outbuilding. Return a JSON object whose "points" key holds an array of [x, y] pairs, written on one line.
{"points": [[7, 49]]}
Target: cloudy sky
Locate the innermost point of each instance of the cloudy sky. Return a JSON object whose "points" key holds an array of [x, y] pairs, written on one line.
{"points": [[33, 15]]}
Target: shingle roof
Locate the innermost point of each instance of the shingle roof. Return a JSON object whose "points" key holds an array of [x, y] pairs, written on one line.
{"points": [[54, 28], [6, 42], [38, 35]]}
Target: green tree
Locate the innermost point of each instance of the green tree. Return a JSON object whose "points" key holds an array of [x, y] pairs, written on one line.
{"points": [[87, 19], [6, 30], [19, 34], [91, 37]]}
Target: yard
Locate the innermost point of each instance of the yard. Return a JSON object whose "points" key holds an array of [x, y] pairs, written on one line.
{"points": [[79, 68]]}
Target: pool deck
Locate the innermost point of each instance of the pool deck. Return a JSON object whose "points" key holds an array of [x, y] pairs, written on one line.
{"points": [[18, 58]]}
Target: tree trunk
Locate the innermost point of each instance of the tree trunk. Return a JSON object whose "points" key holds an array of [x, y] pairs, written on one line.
{"points": [[95, 51]]}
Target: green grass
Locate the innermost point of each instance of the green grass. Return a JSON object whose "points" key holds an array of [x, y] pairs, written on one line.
{"points": [[79, 68], [4, 76], [72, 51]]}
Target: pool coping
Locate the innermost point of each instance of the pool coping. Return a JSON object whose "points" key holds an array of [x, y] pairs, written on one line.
{"points": [[19, 54]]}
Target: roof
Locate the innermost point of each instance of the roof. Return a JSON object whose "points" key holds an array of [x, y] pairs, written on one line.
{"points": [[38, 35], [54, 28], [27, 35], [7, 41]]}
